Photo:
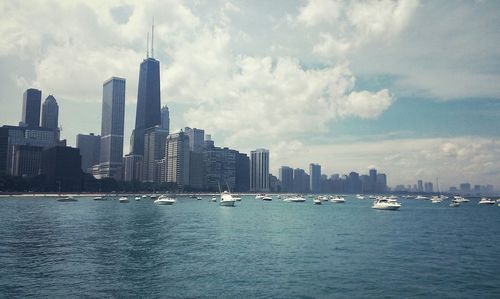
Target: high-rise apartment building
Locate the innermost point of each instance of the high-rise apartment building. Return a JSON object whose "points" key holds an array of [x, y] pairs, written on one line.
{"points": [[286, 178], [90, 150], [259, 170], [315, 178], [132, 165], [196, 139], [154, 151], [177, 159], [165, 118], [50, 113], [32, 99], [27, 160], [113, 114]]}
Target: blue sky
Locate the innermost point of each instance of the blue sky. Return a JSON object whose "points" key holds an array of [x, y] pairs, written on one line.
{"points": [[410, 87]]}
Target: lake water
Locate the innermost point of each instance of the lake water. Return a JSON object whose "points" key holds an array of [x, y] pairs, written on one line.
{"points": [[256, 249]]}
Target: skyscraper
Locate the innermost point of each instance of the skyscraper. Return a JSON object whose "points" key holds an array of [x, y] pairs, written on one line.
{"points": [[196, 139], [32, 99], [165, 118], [132, 167], [113, 114], [90, 148], [259, 170], [154, 151], [177, 159], [50, 113], [373, 180], [286, 178], [148, 101], [315, 178]]}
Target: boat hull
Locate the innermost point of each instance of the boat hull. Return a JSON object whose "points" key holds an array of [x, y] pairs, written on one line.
{"points": [[227, 203], [386, 207]]}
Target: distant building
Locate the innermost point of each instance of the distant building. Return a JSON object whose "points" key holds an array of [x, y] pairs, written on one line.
{"points": [[32, 99], [196, 139], [4, 144], [209, 143], [420, 186], [196, 170], [165, 119], [132, 168], [177, 159], [154, 150], [259, 170], [90, 148], [381, 183], [50, 113], [148, 102], [27, 160], [373, 181], [286, 178], [242, 173], [465, 188], [113, 115], [315, 178], [354, 184], [428, 187], [274, 184], [62, 169], [300, 181]]}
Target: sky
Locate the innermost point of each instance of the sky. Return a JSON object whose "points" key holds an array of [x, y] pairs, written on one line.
{"points": [[411, 88]]}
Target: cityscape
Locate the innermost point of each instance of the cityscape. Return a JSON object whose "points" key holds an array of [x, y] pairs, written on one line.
{"points": [[249, 149]]}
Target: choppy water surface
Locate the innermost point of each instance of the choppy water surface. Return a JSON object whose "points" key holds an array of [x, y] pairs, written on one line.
{"points": [[257, 249]]}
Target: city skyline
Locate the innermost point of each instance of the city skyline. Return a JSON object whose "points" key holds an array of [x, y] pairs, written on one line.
{"points": [[400, 122]]}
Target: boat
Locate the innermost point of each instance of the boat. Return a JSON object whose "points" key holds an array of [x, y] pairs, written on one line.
{"points": [[385, 204], [214, 199], [98, 198], [237, 198], [460, 199], [226, 199], [322, 198], [67, 199], [267, 197], [436, 199], [144, 196], [421, 197], [486, 201], [393, 197], [498, 200], [359, 196], [294, 198], [317, 200], [153, 196], [337, 199], [260, 196], [164, 200], [137, 198], [123, 199], [199, 198], [454, 204]]}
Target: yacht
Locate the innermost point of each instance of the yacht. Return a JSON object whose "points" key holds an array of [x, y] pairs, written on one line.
{"points": [[436, 199], [294, 198], [67, 199], [98, 198], [260, 196], [421, 197], [123, 199], [385, 204], [164, 200], [137, 198], [338, 199], [486, 201], [267, 197], [214, 199], [317, 200], [454, 204], [359, 196], [460, 199], [322, 198], [226, 199], [199, 198]]}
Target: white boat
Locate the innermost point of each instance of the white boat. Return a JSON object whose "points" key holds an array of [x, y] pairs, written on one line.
{"points": [[498, 200], [359, 196], [164, 200], [214, 199], [267, 197], [153, 196], [123, 199], [337, 199], [199, 198], [385, 204], [322, 198], [486, 201], [296, 198], [421, 197], [460, 199], [393, 197], [454, 204], [260, 196], [144, 196], [226, 199], [137, 198], [98, 198], [436, 199], [317, 200], [67, 199]]}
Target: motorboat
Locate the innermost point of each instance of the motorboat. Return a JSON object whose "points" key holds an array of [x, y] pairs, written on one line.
{"points": [[454, 204], [144, 196], [393, 197], [460, 199], [123, 199], [199, 198], [137, 198], [385, 204], [421, 197], [486, 201], [294, 198], [67, 199], [213, 199], [359, 196], [322, 198], [226, 199], [317, 200], [260, 196], [267, 197], [98, 198], [153, 196], [337, 199], [436, 199], [164, 200]]}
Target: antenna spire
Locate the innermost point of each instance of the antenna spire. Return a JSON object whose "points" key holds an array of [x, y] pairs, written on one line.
{"points": [[152, 39], [147, 46]]}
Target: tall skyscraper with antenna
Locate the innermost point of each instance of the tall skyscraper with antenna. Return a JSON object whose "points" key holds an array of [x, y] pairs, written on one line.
{"points": [[148, 98]]}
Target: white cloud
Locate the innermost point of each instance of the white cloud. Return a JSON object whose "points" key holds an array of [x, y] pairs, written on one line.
{"points": [[317, 12]]}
